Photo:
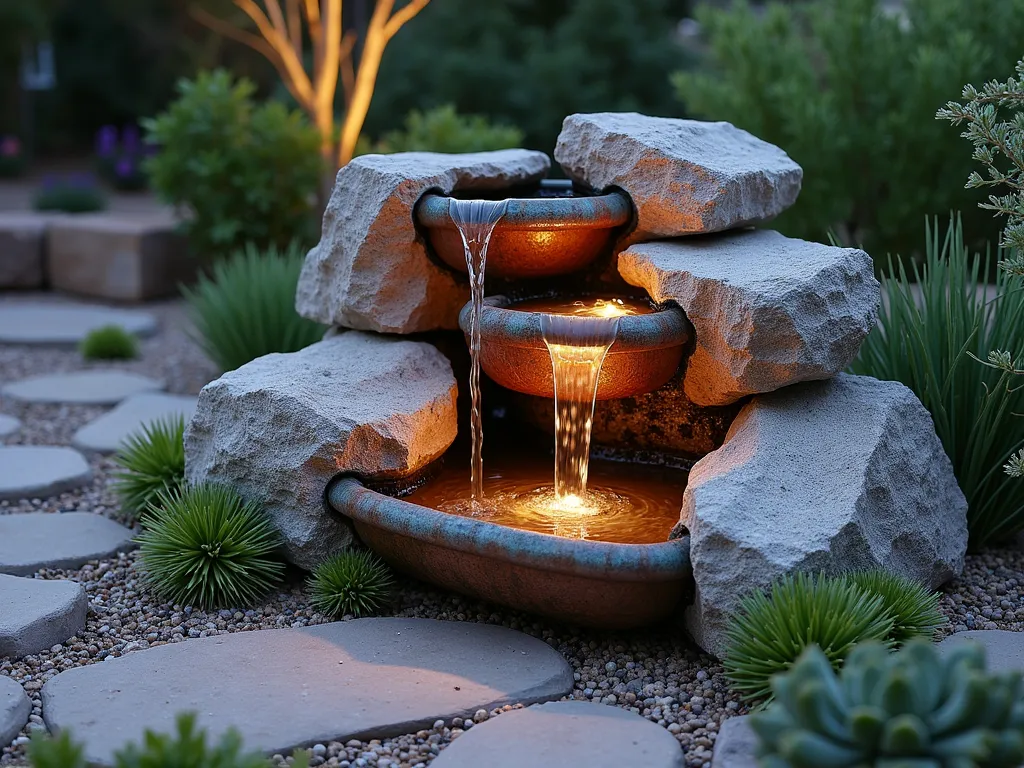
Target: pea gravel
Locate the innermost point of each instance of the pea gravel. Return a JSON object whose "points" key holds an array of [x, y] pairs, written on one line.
{"points": [[653, 672]]}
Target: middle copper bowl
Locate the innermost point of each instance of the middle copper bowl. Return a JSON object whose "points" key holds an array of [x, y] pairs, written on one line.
{"points": [[646, 354]]}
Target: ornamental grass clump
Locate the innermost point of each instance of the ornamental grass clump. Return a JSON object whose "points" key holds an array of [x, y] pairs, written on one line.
{"points": [[247, 308], [208, 547], [913, 608], [354, 582], [110, 342], [151, 462], [915, 708]]}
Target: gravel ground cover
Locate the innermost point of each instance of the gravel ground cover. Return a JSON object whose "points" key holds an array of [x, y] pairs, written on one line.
{"points": [[657, 673]]}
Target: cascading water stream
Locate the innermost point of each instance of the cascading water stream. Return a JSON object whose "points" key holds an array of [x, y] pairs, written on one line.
{"points": [[475, 220]]}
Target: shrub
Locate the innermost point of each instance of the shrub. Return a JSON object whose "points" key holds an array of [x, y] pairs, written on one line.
{"points": [[910, 708], [933, 319], [770, 631], [244, 171], [444, 130], [111, 342], [354, 582], [850, 92], [207, 546], [150, 463], [247, 309], [913, 609], [77, 193]]}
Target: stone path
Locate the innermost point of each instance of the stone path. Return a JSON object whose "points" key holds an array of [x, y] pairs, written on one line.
{"points": [[1004, 650], [8, 425], [107, 432], [15, 707], [38, 613], [64, 324], [287, 687], [564, 733], [34, 471], [37, 540], [736, 744], [92, 387]]}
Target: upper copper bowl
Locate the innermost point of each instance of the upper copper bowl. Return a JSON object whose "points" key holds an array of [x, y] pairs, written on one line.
{"points": [[537, 236], [646, 353]]}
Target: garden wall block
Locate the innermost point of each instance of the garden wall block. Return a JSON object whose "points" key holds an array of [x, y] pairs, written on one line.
{"points": [[282, 426], [684, 176], [118, 256], [370, 270], [22, 244], [820, 477], [768, 310]]}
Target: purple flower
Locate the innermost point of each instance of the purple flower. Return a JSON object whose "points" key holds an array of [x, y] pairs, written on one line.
{"points": [[124, 167], [10, 146], [49, 181], [106, 141], [82, 180], [130, 140]]}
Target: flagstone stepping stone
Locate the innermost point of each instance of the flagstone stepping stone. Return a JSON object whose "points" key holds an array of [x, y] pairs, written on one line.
{"points": [[282, 688], [1004, 650], [35, 471], [564, 733], [736, 745], [39, 613], [8, 425], [107, 432], [15, 708], [37, 540], [94, 387], [66, 324]]}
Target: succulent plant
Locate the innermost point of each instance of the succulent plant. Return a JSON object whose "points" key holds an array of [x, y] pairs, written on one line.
{"points": [[353, 582], [914, 609], [151, 461], [913, 708]]}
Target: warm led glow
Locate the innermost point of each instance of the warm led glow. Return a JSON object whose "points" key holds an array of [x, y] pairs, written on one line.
{"points": [[602, 308]]}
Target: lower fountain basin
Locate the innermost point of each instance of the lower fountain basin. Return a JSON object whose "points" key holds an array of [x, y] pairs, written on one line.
{"points": [[590, 583], [646, 353], [540, 236]]}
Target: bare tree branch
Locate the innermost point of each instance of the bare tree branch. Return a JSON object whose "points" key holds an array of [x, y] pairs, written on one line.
{"points": [[291, 67], [348, 70], [229, 30], [403, 15], [294, 25]]}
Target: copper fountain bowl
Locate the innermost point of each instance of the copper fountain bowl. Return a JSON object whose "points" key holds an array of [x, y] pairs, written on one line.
{"points": [[646, 353], [537, 237]]}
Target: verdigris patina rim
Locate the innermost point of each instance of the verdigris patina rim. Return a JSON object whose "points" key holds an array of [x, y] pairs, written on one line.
{"points": [[666, 561]]}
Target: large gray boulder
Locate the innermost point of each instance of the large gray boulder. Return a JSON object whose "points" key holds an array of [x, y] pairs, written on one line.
{"points": [[768, 310], [820, 477], [684, 176], [280, 427], [371, 270]]}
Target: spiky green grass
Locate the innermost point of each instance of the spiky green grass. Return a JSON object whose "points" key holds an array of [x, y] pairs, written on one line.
{"points": [[151, 462], [208, 547], [354, 582], [914, 610], [770, 630], [110, 342]]}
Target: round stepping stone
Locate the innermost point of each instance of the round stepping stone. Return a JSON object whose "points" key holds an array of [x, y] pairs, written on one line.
{"points": [[8, 425], [108, 432], [1004, 650], [15, 707], [49, 324], [68, 540], [736, 745], [34, 471], [38, 613], [281, 688], [82, 387], [564, 733]]}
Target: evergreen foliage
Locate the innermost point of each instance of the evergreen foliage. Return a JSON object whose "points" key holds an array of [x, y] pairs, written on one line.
{"points": [[151, 462]]}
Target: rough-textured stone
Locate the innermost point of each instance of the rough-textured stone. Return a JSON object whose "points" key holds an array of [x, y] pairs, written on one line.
{"points": [[45, 323], [822, 476], [93, 387], [107, 432], [37, 540], [31, 471], [118, 256], [564, 733], [684, 176], [371, 270], [279, 428], [22, 238], [1004, 650], [736, 745], [8, 425], [39, 613], [15, 708], [283, 688], [768, 310]]}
